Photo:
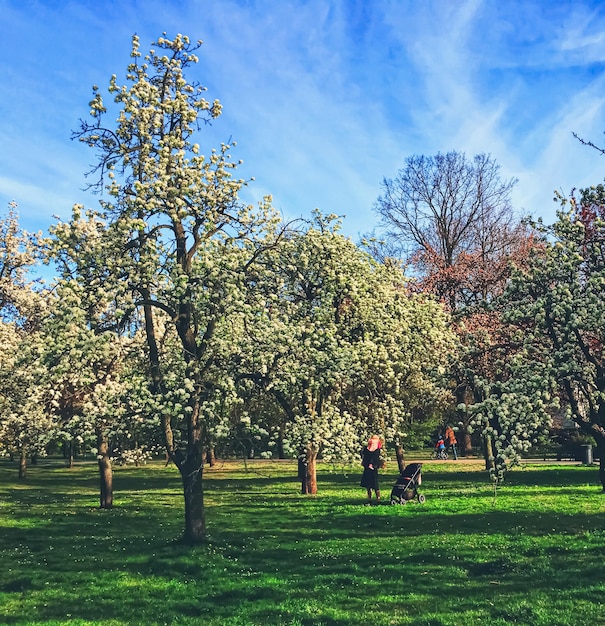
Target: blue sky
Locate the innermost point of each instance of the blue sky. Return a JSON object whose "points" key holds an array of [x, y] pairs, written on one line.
{"points": [[324, 97]]}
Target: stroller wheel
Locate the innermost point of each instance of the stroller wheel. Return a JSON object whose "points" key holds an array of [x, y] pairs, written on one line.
{"points": [[421, 498], [394, 500]]}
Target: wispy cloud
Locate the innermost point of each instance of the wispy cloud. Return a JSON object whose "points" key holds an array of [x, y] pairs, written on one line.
{"points": [[325, 97]]}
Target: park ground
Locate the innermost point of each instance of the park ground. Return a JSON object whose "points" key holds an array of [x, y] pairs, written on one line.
{"points": [[530, 552]]}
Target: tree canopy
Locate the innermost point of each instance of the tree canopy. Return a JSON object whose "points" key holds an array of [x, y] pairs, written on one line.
{"points": [[175, 241], [557, 303]]}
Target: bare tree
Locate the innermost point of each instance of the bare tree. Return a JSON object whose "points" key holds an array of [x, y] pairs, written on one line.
{"points": [[454, 224], [445, 211]]}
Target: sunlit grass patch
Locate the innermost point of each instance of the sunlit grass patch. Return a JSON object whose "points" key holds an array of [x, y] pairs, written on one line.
{"points": [[531, 553]]}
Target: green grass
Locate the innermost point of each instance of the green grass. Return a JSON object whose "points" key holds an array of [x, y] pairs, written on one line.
{"points": [[533, 554]]}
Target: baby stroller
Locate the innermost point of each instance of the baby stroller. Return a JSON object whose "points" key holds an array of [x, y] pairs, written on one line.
{"points": [[406, 487]]}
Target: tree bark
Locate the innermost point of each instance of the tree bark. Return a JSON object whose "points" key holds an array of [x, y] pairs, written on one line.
{"points": [[105, 473], [309, 482], [68, 453], [281, 454], [193, 490], [22, 466], [488, 452], [600, 444], [463, 395], [302, 472], [190, 464], [399, 454], [467, 445]]}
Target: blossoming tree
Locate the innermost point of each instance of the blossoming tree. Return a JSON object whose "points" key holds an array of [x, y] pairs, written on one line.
{"points": [[25, 428], [177, 242], [340, 344], [557, 306]]}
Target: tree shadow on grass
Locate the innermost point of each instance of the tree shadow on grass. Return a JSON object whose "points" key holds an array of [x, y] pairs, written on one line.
{"points": [[277, 553]]}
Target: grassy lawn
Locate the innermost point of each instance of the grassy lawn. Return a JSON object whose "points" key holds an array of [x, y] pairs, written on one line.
{"points": [[532, 554]]}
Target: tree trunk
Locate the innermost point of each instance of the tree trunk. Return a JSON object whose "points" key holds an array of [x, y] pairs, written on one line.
{"points": [[190, 465], [600, 445], [463, 396], [68, 453], [302, 472], [309, 477], [193, 489], [400, 457], [105, 473], [211, 456], [467, 445], [22, 466], [488, 452], [281, 454]]}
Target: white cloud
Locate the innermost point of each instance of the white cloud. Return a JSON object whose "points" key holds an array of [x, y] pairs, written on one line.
{"points": [[325, 97]]}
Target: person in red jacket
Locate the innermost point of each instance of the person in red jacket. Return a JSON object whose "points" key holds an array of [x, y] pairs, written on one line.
{"points": [[450, 441]]}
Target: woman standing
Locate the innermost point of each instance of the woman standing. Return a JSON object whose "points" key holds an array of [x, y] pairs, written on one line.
{"points": [[370, 459]]}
